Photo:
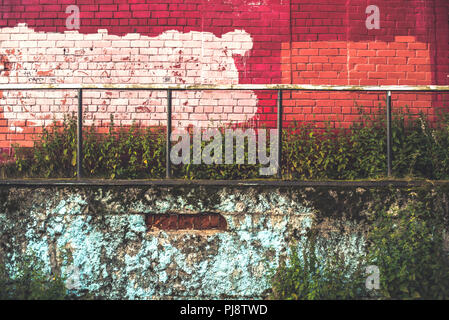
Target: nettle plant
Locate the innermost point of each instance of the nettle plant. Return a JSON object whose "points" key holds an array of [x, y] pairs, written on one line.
{"points": [[405, 245], [27, 279], [308, 153], [318, 270]]}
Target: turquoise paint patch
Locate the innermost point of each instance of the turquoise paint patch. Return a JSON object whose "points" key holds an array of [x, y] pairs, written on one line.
{"points": [[115, 257]]}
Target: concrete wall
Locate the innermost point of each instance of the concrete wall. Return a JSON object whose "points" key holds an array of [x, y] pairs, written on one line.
{"points": [[138, 243]]}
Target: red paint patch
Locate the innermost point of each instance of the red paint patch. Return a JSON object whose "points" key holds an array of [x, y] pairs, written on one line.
{"points": [[45, 73], [5, 65]]}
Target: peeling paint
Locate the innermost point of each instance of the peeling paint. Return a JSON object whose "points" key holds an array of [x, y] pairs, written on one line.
{"points": [[115, 256]]}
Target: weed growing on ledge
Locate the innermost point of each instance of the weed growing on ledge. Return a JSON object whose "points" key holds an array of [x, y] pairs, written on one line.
{"points": [[419, 151]]}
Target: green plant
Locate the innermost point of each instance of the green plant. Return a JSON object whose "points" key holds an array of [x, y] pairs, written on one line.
{"points": [[220, 171], [317, 272], [315, 154], [407, 246], [309, 153], [27, 280], [54, 155], [367, 148]]}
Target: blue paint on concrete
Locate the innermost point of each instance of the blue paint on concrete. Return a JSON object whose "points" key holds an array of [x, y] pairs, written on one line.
{"points": [[115, 257]]}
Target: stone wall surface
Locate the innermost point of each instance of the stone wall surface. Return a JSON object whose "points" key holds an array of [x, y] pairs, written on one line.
{"points": [[103, 240]]}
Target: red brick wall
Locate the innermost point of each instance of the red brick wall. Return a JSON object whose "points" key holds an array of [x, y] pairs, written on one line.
{"points": [[201, 41], [330, 44]]}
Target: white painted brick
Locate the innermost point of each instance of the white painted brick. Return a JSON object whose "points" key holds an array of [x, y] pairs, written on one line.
{"points": [[172, 57]]}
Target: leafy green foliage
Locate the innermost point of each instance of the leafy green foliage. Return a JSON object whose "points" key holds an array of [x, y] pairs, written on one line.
{"points": [[29, 281], [219, 171], [358, 152], [407, 246], [54, 155], [124, 153], [314, 154], [317, 273], [419, 150]]}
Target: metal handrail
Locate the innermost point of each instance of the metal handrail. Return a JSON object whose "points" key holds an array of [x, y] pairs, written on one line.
{"points": [[182, 87], [304, 87]]}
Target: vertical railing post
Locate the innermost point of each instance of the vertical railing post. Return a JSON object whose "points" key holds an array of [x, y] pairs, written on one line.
{"points": [[168, 141], [279, 128], [389, 139], [79, 141]]}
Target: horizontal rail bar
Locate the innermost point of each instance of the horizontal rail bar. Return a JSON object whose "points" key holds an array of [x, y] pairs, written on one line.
{"points": [[430, 88]]}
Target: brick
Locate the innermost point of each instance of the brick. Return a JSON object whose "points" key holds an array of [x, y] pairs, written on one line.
{"points": [[397, 45], [405, 53], [308, 52], [328, 52], [201, 221], [386, 68], [386, 53], [366, 53], [318, 59], [397, 60], [417, 46], [319, 48], [405, 39], [418, 61]]}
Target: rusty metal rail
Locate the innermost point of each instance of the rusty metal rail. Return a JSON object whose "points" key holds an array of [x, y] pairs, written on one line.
{"points": [[169, 88]]}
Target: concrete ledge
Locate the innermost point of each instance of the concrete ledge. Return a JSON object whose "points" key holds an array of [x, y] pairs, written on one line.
{"points": [[249, 183], [175, 239]]}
